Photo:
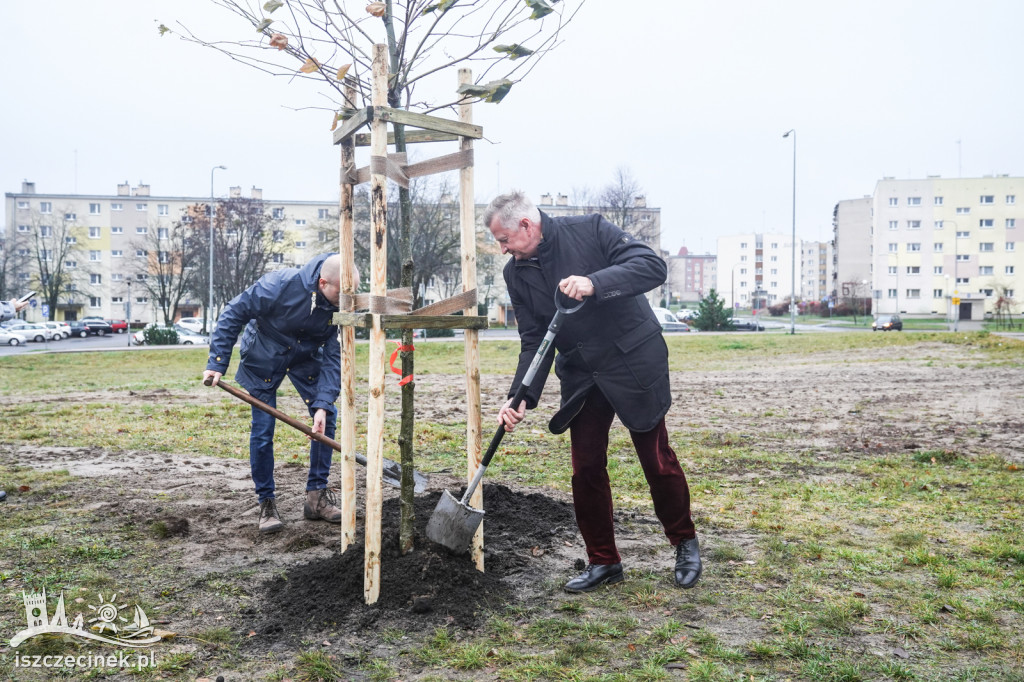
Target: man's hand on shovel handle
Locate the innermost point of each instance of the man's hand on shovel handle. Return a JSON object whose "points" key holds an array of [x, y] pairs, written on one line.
{"points": [[319, 421], [210, 377], [509, 416], [576, 287]]}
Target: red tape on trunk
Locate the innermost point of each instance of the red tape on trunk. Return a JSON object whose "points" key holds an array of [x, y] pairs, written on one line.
{"points": [[394, 356]]}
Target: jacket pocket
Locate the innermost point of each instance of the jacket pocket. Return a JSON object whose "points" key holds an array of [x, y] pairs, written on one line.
{"points": [[260, 356], [644, 353]]}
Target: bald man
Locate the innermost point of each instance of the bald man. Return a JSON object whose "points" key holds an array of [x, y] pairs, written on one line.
{"points": [[287, 319]]}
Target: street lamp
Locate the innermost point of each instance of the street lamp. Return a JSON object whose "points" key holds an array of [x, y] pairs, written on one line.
{"points": [[863, 300], [792, 296], [128, 312], [207, 318]]}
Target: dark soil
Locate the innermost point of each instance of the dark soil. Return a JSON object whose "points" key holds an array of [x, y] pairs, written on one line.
{"points": [[422, 590]]}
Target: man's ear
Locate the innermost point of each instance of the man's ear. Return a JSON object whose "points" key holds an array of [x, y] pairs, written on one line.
{"points": [[524, 223]]}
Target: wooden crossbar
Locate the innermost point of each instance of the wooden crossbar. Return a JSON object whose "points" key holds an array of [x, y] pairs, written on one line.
{"points": [[432, 123]]}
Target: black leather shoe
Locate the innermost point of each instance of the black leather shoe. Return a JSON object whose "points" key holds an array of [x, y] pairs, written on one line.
{"points": [[595, 576], [688, 565]]}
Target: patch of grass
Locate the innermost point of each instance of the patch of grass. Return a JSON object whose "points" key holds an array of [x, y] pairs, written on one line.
{"points": [[316, 666]]}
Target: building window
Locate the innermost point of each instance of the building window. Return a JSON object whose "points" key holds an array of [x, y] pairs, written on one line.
{"points": [[913, 269], [116, 277], [743, 245], [117, 207], [913, 246], [985, 222], [913, 224], [163, 233], [323, 213], [963, 257], [95, 301], [278, 235], [937, 225], [893, 201], [117, 299], [140, 253], [117, 230], [23, 228], [141, 230], [23, 205], [986, 246], [775, 245], [300, 222], [141, 277], [117, 253], [893, 247], [938, 201], [300, 245], [743, 258], [45, 231], [963, 234], [986, 199], [277, 258], [71, 264], [913, 201], [1011, 222], [936, 293], [46, 255], [893, 270], [1008, 270], [987, 292], [1011, 199], [164, 256], [94, 256], [963, 280], [985, 270], [45, 207], [322, 235], [163, 209], [1009, 293], [894, 224], [963, 210], [891, 293], [141, 207], [277, 213], [94, 233], [937, 247], [773, 259], [913, 293], [95, 279], [142, 300], [1009, 246], [70, 240], [937, 270], [94, 209]]}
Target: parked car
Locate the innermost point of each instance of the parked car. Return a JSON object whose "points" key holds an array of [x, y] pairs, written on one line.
{"points": [[12, 338], [193, 324], [745, 324], [668, 321], [185, 336], [36, 331], [119, 326], [87, 327], [887, 323], [61, 327]]}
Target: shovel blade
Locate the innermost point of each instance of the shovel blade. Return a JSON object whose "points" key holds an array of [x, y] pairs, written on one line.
{"points": [[453, 523]]}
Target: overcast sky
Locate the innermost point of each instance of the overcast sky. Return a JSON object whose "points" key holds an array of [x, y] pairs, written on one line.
{"points": [[691, 97]]}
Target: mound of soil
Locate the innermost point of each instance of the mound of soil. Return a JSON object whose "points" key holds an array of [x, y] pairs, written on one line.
{"points": [[425, 588]]}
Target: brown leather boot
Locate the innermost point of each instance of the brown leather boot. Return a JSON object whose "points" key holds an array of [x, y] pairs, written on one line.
{"points": [[321, 505], [270, 520]]}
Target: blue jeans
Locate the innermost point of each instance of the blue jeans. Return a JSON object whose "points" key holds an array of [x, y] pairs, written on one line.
{"points": [[261, 448]]}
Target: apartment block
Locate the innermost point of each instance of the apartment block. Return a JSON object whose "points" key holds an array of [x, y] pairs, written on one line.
{"points": [[947, 246], [691, 275], [815, 270], [755, 270], [851, 250]]}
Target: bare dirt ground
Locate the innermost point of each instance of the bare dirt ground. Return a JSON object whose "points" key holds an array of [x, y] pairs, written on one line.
{"points": [[294, 591]]}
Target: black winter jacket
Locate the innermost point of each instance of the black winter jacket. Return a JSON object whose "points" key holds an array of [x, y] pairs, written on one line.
{"points": [[614, 341]]}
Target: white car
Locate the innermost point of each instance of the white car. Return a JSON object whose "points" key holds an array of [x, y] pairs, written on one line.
{"points": [[192, 324], [11, 338], [38, 332], [62, 327]]}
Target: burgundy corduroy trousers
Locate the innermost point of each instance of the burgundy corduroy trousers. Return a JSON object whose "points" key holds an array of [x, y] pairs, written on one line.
{"points": [[591, 488]]}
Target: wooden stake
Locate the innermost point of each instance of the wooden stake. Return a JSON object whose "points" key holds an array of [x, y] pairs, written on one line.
{"points": [[378, 287], [347, 411], [467, 225]]}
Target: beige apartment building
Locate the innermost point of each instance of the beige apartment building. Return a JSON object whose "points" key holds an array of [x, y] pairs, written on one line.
{"points": [[755, 270], [815, 271], [947, 246], [851, 250], [691, 276]]}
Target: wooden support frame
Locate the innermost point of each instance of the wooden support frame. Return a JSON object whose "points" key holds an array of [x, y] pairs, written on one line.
{"points": [[378, 319]]}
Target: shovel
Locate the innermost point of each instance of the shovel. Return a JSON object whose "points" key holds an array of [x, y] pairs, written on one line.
{"points": [[392, 473], [454, 522]]}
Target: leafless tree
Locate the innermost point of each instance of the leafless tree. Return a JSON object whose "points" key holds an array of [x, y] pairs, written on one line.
{"points": [[171, 266], [56, 255], [15, 265], [623, 202]]}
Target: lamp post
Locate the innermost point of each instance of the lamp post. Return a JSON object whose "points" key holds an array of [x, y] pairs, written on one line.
{"points": [[955, 310], [792, 296], [128, 312], [207, 318], [863, 300]]}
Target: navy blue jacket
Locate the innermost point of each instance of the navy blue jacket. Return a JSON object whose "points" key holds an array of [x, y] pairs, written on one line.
{"points": [[614, 341], [288, 330]]}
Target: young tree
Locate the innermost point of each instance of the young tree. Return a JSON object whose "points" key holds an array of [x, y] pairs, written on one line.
{"points": [[711, 313], [170, 267], [15, 265]]}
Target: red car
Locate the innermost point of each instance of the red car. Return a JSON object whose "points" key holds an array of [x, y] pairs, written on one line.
{"points": [[119, 326]]}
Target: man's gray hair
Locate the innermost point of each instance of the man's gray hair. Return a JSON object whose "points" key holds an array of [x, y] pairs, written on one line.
{"points": [[509, 209]]}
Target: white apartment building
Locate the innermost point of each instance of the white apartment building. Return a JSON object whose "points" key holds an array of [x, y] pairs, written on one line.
{"points": [[815, 270], [947, 246], [755, 270], [851, 250]]}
